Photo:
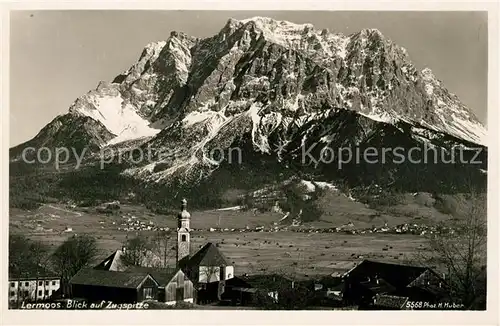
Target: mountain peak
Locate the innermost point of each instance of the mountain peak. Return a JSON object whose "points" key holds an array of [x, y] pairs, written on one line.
{"points": [[274, 29], [427, 74], [371, 31], [274, 23]]}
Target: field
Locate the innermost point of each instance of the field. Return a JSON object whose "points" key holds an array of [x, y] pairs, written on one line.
{"points": [[302, 254]]}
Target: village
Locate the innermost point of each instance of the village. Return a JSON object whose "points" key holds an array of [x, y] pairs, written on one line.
{"points": [[207, 278]]}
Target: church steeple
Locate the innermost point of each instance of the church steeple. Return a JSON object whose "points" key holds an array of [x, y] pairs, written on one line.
{"points": [[183, 236]]}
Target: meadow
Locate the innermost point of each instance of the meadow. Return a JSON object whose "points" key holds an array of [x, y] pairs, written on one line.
{"points": [[285, 252]]}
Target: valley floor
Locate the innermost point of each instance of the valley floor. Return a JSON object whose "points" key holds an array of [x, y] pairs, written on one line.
{"points": [[285, 252]]}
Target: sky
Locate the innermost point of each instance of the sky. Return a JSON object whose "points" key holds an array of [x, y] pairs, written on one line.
{"points": [[58, 56]]}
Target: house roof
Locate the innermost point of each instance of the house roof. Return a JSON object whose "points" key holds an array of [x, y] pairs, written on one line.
{"points": [[396, 275], [161, 275], [237, 282], [378, 286], [390, 301], [113, 262], [91, 276], [209, 255]]}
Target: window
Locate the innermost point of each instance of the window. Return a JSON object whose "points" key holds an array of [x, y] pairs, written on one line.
{"points": [[53, 282], [26, 283], [39, 293], [12, 293], [46, 282], [147, 293], [183, 237], [12, 285], [40, 283], [46, 292], [26, 294]]}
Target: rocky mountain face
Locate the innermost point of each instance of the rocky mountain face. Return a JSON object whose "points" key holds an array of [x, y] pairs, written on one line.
{"points": [[271, 89]]}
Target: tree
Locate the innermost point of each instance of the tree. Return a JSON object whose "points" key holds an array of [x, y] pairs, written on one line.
{"points": [[136, 251], [72, 255], [162, 247], [25, 255], [462, 252], [155, 251], [27, 258]]}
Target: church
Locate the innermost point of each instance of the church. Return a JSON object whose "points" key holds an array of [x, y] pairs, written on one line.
{"points": [[196, 278], [208, 269]]}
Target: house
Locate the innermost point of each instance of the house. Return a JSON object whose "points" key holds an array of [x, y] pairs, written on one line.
{"points": [[38, 284], [173, 284], [327, 291], [31, 289], [96, 285], [114, 262], [250, 289], [373, 283], [134, 285]]}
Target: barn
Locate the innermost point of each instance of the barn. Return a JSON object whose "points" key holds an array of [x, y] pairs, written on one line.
{"points": [[388, 285], [173, 284], [136, 284], [119, 287]]}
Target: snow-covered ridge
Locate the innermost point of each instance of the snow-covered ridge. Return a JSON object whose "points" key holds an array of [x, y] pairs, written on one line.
{"points": [[456, 119], [302, 37], [267, 22]]}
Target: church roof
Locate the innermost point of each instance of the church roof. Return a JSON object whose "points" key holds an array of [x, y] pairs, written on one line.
{"points": [[209, 255]]}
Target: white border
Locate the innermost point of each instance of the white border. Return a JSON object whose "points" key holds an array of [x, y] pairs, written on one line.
{"points": [[198, 317]]}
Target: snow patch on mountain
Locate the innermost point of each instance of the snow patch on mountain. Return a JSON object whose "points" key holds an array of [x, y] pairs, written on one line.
{"points": [[118, 117], [197, 117], [312, 186], [259, 140]]}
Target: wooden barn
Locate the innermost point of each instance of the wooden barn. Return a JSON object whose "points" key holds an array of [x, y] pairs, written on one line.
{"points": [[136, 284], [374, 283], [119, 287], [173, 284]]}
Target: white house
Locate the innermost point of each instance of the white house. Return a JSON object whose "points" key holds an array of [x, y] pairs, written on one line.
{"points": [[32, 289]]}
